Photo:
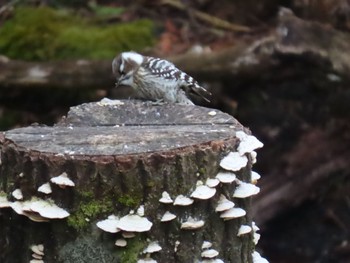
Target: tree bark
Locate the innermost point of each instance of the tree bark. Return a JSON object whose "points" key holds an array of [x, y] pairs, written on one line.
{"points": [[122, 155]]}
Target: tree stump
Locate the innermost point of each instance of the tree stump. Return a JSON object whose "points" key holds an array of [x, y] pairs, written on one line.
{"points": [[114, 172]]}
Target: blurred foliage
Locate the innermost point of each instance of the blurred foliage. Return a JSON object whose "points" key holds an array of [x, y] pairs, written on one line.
{"points": [[105, 11], [45, 33]]}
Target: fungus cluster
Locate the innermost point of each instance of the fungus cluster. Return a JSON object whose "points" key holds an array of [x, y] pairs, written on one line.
{"points": [[39, 210], [62, 180], [38, 253], [209, 254], [192, 223], [128, 225], [36, 209]]}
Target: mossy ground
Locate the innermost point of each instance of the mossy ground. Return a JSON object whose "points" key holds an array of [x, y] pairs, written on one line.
{"points": [[45, 33]]}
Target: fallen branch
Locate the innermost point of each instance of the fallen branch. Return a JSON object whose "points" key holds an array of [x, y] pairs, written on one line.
{"points": [[213, 20]]}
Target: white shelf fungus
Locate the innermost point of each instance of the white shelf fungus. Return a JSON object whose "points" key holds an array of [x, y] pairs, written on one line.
{"points": [[182, 200], [256, 236], [212, 182], [121, 242], [152, 248], [134, 223], [210, 253], [177, 243], [141, 210], [244, 190], [36, 256], [166, 199], [17, 194], [146, 260], [257, 258], [233, 213], [36, 261], [38, 249], [167, 217], [4, 202], [253, 155], [234, 162], [191, 223], [128, 234], [248, 143], [206, 245], [109, 225], [224, 204], [48, 209], [226, 177], [203, 192], [254, 177], [45, 188], [62, 180], [244, 229], [23, 208]]}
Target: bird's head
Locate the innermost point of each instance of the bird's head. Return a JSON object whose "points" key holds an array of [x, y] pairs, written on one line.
{"points": [[124, 67]]}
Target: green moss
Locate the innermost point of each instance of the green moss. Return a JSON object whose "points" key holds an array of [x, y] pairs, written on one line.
{"points": [[129, 201], [88, 209], [131, 252], [44, 33]]}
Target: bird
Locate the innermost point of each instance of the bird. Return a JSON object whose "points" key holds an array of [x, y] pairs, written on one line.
{"points": [[156, 79]]}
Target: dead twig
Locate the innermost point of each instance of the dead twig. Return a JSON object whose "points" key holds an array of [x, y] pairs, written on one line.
{"points": [[213, 20]]}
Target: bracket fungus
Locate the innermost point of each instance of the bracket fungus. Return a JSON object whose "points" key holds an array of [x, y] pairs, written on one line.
{"points": [[234, 162], [182, 200], [210, 253], [248, 143], [191, 224], [233, 213], [244, 229], [152, 248], [141, 210], [224, 204], [4, 202], [47, 209], [45, 188], [257, 258], [17, 194], [134, 223], [203, 192], [121, 242], [38, 249], [23, 208], [167, 217], [146, 260], [166, 199], [244, 190], [256, 236], [206, 245], [212, 182], [253, 155], [109, 225], [226, 177], [254, 177], [62, 180], [128, 234]]}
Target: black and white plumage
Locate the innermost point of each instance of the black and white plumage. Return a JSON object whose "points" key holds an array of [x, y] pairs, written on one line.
{"points": [[155, 79]]}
